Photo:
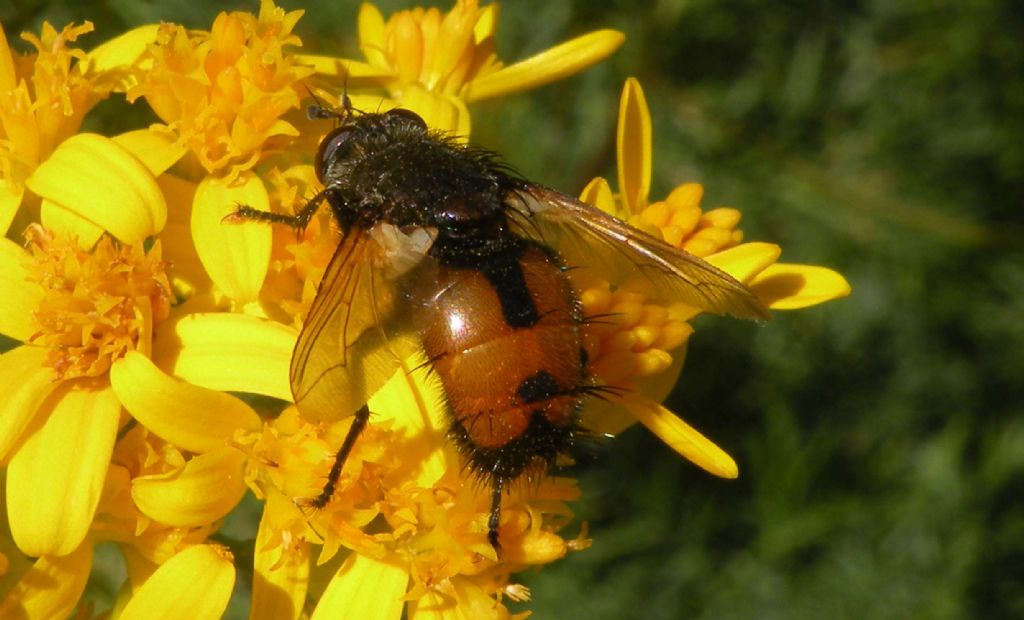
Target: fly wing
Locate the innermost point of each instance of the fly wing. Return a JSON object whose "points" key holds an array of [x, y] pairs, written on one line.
{"points": [[355, 336], [626, 254]]}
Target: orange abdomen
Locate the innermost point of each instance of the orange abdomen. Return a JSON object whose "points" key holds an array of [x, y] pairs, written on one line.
{"points": [[505, 340]]}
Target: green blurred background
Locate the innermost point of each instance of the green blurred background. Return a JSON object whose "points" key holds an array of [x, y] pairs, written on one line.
{"points": [[879, 438]]}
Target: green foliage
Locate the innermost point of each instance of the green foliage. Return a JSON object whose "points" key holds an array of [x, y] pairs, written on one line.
{"points": [[880, 438]]}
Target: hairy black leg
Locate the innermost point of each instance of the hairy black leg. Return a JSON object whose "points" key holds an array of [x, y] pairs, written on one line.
{"points": [[495, 519], [358, 424], [298, 221]]}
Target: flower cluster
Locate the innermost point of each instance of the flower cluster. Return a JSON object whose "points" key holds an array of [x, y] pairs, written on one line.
{"points": [[140, 317]]}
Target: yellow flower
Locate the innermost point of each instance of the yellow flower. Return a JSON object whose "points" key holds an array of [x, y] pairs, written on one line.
{"points": [[436, 63], [43, 98], [223, 92], [223, 95], [122, 399], [78, 313], [410, 528], [639, 345]]}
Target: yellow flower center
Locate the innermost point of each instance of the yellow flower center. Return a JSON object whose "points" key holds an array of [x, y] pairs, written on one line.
{"points": [[224, 91], [441, 532], [626, 337], [683, 224], [377, 508], [97, 305], [289, 464], [46, 99]]}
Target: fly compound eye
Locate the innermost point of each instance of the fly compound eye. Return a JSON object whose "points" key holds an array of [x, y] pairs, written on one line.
{"points": [[407, 117], [332, 148]]}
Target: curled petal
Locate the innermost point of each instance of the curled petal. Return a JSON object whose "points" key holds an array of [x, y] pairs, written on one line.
{"points": [[345, 594], [195, 584], [633, 144], [790, 287], [235, 254], [69, 451], [682, 437], [227, 352], [95, 178], [20, 296], [193, 418], [51, 587], [28, 384], [205, 490], [554, 64]]}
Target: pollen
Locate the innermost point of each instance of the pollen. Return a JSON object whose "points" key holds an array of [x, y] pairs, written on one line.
{"points": [[97, 304], [288, 465], [441, 532], [224, 91], [627, 336], [683, 224]]}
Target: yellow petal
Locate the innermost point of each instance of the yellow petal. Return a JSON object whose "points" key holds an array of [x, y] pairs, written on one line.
{"points": [[469, 602], [193, 418], [194, 584], [360, 73], [69, 224], [599, 194], [56, 476], [8, 77], [682, 437], [27, 384], [205, 490], [633, 143], [227, 352], [278, 587], [790, 287], [20, 297], [188, 277], [51, 588], [10, 199], [235, 254], [363, 588], [486, 23], [415, 401], [554, 64], [746, 260], [116, 56], [156, 148], [371, 34], [442, 112], [94, 177]]}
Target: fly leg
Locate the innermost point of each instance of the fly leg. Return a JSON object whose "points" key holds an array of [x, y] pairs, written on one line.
{"points": [[495, 519], [298, 221], [358, 424]]}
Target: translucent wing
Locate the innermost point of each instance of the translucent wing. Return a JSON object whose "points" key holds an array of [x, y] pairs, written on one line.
{"points": [[355, 336], [589, 238]]}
